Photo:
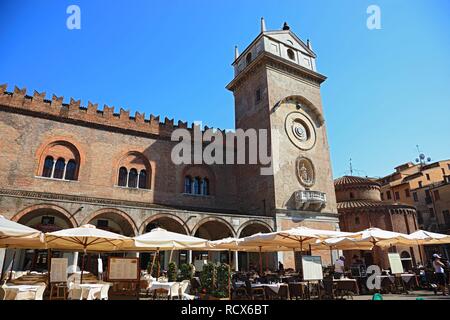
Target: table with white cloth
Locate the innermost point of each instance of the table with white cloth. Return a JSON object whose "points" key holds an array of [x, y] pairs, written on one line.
{"points": [[89, 291], [275, 287], [169, 286], [20, 292]]}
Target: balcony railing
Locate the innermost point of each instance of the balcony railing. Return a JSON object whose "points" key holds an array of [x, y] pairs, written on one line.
{"points": [[310, 200]]}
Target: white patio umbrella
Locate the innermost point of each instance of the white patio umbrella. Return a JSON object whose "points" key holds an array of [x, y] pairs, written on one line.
{"points": [[424, 237], [84, 238], [161, 239], [289, 239], [292, 238], [15, 235], [379, 237]]}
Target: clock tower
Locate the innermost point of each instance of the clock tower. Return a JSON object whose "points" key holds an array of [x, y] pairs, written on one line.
{"points": [[276, 87]]}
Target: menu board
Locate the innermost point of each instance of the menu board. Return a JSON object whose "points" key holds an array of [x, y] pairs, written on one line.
{"points": [[395, 262], [123, 269], [312, 268], [58, 269]]}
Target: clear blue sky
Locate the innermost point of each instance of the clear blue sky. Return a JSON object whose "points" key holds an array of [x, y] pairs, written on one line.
{"points": [[387, 91]]}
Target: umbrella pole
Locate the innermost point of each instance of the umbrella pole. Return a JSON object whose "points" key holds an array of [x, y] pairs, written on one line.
{"points": [[49, 263], [331, 255], [82, 267], [3, 266], [171, 254], [12, 265], [158, 263], [229, 274], [153, 264], [260, 262]]}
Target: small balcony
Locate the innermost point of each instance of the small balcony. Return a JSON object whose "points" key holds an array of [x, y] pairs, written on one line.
{"points": [[310, 200]]}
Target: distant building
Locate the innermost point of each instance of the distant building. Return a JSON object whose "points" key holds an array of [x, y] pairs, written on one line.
{"points": [[360, 207], [415, 184]]}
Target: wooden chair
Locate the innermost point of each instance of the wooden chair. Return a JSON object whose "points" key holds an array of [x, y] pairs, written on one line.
{"points": [[58, 291], [2, 294], [283, 293], [297, 291], [255, 293]]}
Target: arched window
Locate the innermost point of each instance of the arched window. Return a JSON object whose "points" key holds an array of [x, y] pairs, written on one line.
{"points": [[48, 167], [248, 58], [187, 184], [132, 178], [291, 54], [60, 160], [59, 169], [123, 174], [71, 170], [197, 189], [205, 187], [143, 179]]}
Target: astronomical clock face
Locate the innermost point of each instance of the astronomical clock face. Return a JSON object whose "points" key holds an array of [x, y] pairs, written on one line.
{"points": [[300, 130], [305, 172]]}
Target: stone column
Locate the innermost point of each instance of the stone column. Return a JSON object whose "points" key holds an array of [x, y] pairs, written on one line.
{"points": [[74, 263], [190, 256], [236, 261]]}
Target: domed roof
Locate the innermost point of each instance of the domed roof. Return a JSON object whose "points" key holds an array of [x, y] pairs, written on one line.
{"points": [[371, 204], [350, 181]]}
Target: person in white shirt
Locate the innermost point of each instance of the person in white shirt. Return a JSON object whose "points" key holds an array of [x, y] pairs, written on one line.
{"points": [[439, 271], [339, 267]]}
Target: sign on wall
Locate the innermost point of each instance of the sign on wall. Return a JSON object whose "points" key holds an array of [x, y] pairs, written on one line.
{"points": [[312, 268], [58, 269]]}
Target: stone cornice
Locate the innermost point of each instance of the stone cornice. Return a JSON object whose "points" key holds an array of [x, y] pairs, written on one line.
{"points": [[110, 202], [278, 63]]}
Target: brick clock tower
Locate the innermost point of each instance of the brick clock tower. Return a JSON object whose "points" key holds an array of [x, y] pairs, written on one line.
{"points": [[276, 87]]}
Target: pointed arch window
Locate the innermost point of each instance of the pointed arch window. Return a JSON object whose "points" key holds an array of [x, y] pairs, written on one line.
{"points": [[143, 179], [59, 169], [133, 178], [123, 175], [48, 167]]}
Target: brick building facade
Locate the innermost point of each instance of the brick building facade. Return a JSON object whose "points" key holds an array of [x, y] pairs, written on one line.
{"points": [[63, 165]]}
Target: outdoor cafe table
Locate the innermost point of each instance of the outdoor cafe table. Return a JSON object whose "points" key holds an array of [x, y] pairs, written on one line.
{"points": [[90, 291], [20, 292], [169, 286], [346, 285], [406, 280], [275, 287]]}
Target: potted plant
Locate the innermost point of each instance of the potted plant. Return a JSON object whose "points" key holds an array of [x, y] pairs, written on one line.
{"points": [[186, 272], [172, 272], [208, 280]]}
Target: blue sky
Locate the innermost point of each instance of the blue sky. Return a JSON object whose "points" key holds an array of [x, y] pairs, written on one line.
{"points": [[387, 90]]}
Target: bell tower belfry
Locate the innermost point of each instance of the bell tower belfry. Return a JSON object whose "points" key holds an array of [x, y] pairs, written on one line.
{"points": [[276, 87]]}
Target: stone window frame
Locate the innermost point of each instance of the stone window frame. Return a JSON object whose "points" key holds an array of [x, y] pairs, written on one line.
{"points": [[57, 151], [143, 164]]}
